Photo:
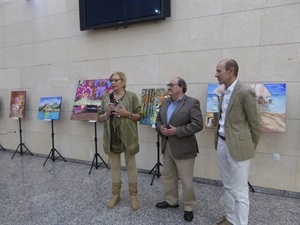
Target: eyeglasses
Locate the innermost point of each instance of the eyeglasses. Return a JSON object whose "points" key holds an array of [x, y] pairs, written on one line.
{"points": [[114, 80], [171, 84]]}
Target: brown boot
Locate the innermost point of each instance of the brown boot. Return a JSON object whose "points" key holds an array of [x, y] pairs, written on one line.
{"points": [[135, 205], [115, 198]]}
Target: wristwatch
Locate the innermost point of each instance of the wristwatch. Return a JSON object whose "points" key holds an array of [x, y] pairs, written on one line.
{"points": [[130, 116]]}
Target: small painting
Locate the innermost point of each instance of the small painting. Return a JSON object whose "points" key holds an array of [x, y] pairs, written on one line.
{"points": [[17, 104], [49, 108], [151, 102], [271, 99], [88, 98]]}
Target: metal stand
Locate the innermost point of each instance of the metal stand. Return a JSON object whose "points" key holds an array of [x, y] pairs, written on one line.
{"points": [[1, 147], [96, 155], [250, 186], [158, 164], [21, 145], [53, 150]]}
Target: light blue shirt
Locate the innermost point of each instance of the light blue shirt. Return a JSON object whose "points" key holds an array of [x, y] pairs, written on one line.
{"points": [[171, 108]]}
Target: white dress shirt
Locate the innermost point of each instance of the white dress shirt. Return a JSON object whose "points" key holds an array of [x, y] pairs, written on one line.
{"points": [[226, 98]]}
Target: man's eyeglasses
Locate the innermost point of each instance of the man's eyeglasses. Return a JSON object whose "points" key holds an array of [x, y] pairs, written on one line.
{"points": [[171, 85], [114, 80]]}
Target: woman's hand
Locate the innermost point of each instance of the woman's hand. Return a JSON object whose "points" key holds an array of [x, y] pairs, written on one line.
{"points": [[111, 107], [120, 111]]}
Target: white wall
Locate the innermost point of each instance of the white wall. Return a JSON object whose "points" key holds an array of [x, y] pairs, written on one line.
{"points": [[43, 52]]}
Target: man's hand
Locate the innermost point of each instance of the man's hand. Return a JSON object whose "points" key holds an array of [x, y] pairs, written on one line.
{"points": [[168, 130]]}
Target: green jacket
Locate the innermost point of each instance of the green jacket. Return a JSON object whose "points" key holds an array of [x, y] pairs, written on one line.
{"points": [[124, 127]]}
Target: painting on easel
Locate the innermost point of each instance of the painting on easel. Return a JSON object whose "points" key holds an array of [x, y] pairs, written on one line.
{"points": [[151, 101], [17, 104], [271, 99], [49, 108], [88, 98]]}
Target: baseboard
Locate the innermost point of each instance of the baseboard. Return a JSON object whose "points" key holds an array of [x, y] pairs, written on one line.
{"points": [[257, 189]]}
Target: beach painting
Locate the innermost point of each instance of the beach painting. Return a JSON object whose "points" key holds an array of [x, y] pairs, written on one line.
{"points": [[271, 99], [151, 101], [17, 104], [49, 108], [88, 98]]}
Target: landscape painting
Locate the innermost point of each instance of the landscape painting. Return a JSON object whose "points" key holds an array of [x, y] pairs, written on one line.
{"points": [[151, 101], [49, 108], [271, 99], [17, 104], [88, 98]]}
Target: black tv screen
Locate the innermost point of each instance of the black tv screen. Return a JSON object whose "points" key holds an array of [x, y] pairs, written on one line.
{"points": [[96, 14]]}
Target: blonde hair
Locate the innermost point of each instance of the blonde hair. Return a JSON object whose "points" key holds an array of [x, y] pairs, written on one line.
{"points": [[122, 76]]}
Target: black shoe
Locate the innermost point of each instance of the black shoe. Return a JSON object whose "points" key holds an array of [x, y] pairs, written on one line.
{"points": [[164, 205], [188, 216]]}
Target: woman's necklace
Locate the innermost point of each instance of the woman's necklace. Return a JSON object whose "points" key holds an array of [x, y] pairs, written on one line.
{"points": [[120, 96]]}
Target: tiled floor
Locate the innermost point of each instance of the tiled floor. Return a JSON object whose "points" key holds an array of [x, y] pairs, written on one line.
{"points": [[64, 193]]}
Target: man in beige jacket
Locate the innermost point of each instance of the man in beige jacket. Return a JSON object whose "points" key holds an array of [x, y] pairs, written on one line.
{"points": [[236, 138]]}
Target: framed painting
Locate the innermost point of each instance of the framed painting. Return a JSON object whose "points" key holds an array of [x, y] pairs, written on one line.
{"points": [[49, 108], [271, 99], [88, 98], [151, 101], [17, 104]]}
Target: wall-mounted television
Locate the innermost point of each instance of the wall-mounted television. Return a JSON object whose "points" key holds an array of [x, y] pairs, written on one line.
{"points": [[96, 14]]}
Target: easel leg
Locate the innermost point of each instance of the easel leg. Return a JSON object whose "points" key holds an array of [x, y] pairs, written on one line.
{"points": [[96, 155], [21, 143], [47, 157], [59, 155], [51, 155], [95, 162], [20, 146], [2, 148], [250, 186], [27, 150], [156, 167], [156, 172]]}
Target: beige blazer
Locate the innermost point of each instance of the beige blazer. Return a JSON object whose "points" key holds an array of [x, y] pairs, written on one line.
{"points": [[242, 123]]}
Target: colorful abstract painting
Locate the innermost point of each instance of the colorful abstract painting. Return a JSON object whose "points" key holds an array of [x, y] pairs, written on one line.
{"points": [[151, 101], [49, 108], [17, 104], [88, 98], [271, 99]]}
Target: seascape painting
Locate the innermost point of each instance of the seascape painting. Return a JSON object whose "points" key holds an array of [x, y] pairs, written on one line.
{"points": [[17, 104], [88, 98], [272, 102], [271, 99], [49, 108], [151, 101]]}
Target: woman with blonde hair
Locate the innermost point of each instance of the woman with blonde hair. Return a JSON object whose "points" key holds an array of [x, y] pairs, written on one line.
{"points": [[120, 111]]}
